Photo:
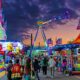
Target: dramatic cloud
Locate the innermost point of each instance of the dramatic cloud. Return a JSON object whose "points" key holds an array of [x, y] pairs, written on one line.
{"points": [[73, 5], [22, 15]]}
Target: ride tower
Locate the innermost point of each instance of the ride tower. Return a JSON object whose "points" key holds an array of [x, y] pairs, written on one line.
{"points": [[40, 24]]}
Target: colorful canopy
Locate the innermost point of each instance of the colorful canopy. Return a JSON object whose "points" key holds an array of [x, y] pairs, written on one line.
{"points": [[77, 40]]}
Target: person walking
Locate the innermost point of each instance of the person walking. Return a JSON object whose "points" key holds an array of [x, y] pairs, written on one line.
{"points": [[39, 61], [59, 65], [64, 64], [51, 66], [44, 65], [27, 69], [36, 68], [9, 73], [16, 71]]}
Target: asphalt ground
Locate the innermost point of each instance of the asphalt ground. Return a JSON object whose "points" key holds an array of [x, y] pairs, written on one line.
{"points": [[57, 76]]}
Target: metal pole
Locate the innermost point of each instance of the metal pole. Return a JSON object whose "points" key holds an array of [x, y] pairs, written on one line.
{"points": [[31, 40], [31, 52]]}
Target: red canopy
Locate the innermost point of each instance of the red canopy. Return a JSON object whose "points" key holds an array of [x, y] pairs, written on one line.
{"points": [[77, 40]]}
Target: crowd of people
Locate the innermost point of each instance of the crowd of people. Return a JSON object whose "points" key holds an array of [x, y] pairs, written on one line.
{"points": [[29, 68]]}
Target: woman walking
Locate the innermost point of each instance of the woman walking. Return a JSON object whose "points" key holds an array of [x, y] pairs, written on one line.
{"points": [[9, 70], [27, 69]]}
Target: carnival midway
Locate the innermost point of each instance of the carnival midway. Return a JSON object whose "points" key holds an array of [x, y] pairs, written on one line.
{"points": [[48, 62]]}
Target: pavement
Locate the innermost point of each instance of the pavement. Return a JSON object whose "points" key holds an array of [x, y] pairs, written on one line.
{"points": [[57, 76], [3, 75]]}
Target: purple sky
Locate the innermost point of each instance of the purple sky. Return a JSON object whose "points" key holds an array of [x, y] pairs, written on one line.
{"points": [[21, 17]]}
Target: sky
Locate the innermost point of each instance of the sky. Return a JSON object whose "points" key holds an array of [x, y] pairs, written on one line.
{"points": [[22, 17]]}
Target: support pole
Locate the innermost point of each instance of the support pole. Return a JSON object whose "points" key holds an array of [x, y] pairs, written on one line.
{"points": [[31, 40], [31, 52]]}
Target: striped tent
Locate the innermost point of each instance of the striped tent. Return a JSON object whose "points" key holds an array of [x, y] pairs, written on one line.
{"points": [[77, 40]]}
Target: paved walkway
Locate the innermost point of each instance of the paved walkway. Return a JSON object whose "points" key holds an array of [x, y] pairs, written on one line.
{"points": [[57, 76], [3, 76]]}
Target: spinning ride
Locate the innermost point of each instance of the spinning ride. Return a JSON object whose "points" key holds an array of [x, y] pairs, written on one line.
{"points": [[40, 28]]}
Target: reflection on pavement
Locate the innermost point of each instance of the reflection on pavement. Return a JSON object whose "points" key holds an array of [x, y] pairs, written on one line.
{"points": [[2, 74]]}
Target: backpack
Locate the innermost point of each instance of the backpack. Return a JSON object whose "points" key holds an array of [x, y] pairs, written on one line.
{"points": [[16, 68]]}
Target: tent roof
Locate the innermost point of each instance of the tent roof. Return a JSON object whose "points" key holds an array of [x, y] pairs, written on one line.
{"points": [[77, 40]]}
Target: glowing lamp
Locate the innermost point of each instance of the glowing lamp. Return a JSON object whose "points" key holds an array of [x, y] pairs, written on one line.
{"points": [[9, 47], [17, 49], [9, 44]]}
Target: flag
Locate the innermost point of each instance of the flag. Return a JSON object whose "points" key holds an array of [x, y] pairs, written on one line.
{"points": [[59, 41]]}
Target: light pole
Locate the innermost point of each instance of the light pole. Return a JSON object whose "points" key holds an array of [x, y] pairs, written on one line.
{"points": [[31, 52]]}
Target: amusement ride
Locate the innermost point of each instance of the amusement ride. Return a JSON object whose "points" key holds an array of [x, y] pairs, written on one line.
{"points": [[40, 24]]}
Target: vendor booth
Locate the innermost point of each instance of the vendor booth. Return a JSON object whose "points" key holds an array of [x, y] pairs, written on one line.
{"points": [[76, 57]]}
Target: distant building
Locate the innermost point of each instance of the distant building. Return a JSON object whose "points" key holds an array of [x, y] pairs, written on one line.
{"points": [[58, 41]]}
